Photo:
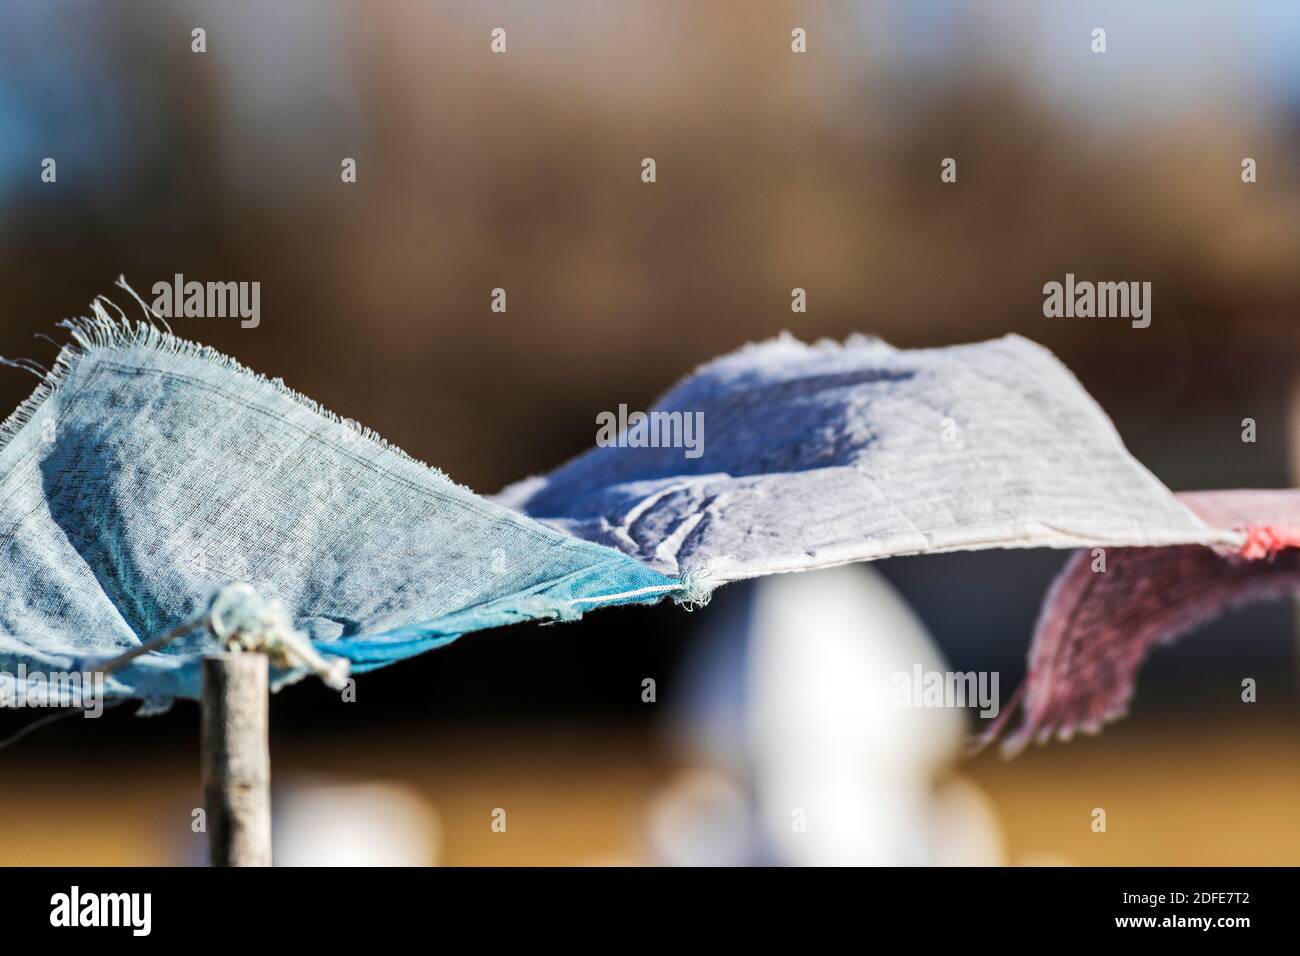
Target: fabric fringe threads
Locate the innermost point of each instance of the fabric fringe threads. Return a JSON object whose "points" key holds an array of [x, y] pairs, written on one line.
{"points": [[103, 331]]}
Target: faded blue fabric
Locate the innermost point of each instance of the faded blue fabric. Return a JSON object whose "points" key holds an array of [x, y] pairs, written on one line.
{"points": [[146, 472]]}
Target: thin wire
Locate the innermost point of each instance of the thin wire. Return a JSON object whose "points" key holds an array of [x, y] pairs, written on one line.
{"points": [[654, 589], [153, 644], [45, 722]]}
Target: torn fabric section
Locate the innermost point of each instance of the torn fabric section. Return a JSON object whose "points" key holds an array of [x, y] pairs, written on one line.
{"points": [[1098, 626], [819, 455], [147, 471]]}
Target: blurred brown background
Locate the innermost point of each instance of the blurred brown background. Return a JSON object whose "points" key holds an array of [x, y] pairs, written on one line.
{"points": [[775, 170]]}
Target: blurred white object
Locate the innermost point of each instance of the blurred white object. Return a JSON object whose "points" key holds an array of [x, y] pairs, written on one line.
{"points": [[354, 824], [794, 694], [703, 819], [967, 832]]}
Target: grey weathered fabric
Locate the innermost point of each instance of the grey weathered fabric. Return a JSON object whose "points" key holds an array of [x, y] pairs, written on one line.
{"points": [[818, 455]]}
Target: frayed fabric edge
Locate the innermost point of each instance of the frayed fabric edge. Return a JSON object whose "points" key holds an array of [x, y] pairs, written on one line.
{"points": [[102, 331]]}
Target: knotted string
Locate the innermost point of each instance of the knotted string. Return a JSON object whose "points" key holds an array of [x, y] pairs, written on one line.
{"points": [[240, 620]]}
